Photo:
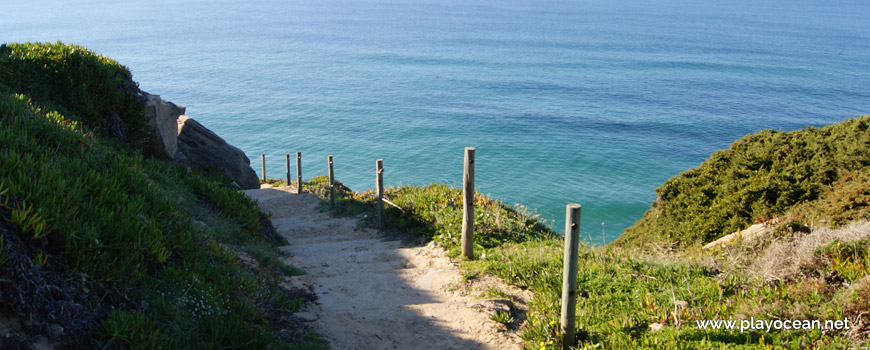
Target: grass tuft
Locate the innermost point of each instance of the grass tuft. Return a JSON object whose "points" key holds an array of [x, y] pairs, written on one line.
{"points": [[502, 317]]}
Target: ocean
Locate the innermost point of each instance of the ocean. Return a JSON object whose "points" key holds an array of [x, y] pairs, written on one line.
{"points": [[594, 102]]}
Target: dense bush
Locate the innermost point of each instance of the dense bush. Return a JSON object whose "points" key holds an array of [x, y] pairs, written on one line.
{"points": [[762, 176]]}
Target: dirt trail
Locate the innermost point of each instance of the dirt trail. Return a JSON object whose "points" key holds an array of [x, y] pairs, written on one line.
{"points": [[375, 293]]}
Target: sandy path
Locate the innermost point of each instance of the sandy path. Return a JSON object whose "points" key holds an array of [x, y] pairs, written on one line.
{"points": [[379, 294]]}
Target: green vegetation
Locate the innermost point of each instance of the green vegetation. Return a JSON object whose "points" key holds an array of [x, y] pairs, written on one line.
{"points": [[814, 176], [850, 260], [96, 91], [625, 291], [434, 212], [502, 317], [651, 298], [139, 253], [147, 254], [493, 292]]}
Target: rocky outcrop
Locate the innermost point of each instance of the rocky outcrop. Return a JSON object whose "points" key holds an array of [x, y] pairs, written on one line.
{"points": [[749, 234], [162, 130], [200, 146], [170, 135]]}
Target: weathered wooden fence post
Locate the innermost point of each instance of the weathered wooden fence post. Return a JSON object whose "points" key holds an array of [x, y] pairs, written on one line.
{"points": [[569, 273], [468, 205], [287, 167], [379, 182], [263, 161], [331, 183], [298, 172]]}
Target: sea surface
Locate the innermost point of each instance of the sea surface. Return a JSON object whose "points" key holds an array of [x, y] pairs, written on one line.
{"points": [[594, 102]]}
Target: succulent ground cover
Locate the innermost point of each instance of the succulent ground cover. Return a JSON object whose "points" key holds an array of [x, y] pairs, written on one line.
{"points": [[104, 247]]}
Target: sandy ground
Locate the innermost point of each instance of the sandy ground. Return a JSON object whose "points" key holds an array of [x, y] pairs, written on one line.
{"points": [[376, 293]]}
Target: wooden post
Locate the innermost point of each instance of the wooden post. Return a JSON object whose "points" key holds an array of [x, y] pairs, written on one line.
{"points": [[569, 273], [331, 183], [263, 161], [298, 172], [468, 205], [287, 167], [379, 182]]}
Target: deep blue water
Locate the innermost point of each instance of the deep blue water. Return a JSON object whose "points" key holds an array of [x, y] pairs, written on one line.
{"points": [[595, 102]]}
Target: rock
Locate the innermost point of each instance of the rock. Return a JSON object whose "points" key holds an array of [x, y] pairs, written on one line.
{"points": [[655, 327], [180, 158], [204, 148], [749, 234], [492, 306], [162, 130]]}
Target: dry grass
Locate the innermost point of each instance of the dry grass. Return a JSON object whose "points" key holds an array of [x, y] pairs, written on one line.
{"points": [[858, 308], [786, 259]]}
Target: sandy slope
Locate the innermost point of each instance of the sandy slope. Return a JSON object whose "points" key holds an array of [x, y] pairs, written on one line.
{"points": [[374, 293]]}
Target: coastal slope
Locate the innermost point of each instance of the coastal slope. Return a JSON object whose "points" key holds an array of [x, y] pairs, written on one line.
{"points": [[809, 177], [106, 244]]}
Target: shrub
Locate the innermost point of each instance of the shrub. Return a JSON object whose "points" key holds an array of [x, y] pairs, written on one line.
{"points": [[762, 176]]}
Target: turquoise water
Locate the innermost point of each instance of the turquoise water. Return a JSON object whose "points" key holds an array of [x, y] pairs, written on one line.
{"points": [[595, 102]]}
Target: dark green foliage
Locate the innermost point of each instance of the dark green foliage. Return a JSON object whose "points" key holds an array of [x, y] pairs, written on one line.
{"points": [[89, 198], [88, 207], [841, 203], [88, 210], [134, 330], [89, 88], [231, 203], [762, 176]]}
